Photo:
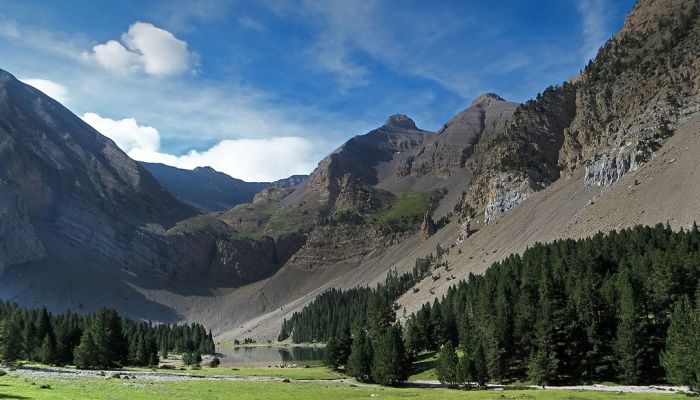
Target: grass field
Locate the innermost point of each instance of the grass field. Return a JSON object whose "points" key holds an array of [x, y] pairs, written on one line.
{"points": [[406, 212], [319, 373], [424, 367], [14, 387]]}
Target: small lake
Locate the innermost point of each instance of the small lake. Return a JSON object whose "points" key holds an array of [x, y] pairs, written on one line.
{"points": [[263, 356]]}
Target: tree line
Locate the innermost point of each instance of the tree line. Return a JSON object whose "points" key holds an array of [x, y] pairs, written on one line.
{"points": [[333, 311], [622, 306], [595, 309], [100, 340]]}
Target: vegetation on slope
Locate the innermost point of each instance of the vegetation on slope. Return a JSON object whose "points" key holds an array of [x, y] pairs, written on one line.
{"points": [[405, 213], [596, 309]]}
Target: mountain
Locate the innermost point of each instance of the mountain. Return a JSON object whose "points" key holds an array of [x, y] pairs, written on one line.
{"points": [[611, 149], [83, 225], [615, 147], [62, 179], [210, 190]]}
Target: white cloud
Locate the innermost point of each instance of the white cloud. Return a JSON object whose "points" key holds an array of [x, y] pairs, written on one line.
{"points": [[126, 133], [260, 160], [594, 26], [247, 159], [146, 48], [52, 89]]}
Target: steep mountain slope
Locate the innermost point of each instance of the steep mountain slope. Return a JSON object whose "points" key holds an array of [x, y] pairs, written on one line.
{"points": [[210, 190], [358, 157], [70, 181], [83, 225], [623, 107]]}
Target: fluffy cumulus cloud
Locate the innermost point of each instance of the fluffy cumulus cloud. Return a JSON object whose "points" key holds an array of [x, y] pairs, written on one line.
{"points": [[247, 159], [52, 89], [126, 133], [146, 48]]}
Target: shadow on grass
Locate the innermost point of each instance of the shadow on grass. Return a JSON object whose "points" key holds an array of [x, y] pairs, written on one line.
{"points": [[12, 396], [424, 362]]}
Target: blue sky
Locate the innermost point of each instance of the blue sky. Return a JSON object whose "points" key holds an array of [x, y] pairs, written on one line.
{"points": [[264, 89]]}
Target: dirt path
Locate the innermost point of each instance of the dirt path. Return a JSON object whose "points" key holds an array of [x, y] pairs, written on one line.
{"points": [[600, 388]]}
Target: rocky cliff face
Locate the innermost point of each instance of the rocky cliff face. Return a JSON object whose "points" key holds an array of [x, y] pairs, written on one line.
{"points": [[633, 95], [63, 183], [622, 108], [75, 183], [523, 159], [359, 158], [19, 243], [471, 130]]}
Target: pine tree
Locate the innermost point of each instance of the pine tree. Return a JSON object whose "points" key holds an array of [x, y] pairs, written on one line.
{"points": [[360, 360], [681, 360], [31, 341], [544, 361], [389, 361], [332, 354], [47, 354], [86, 355], [472, 366], [380, 315], [446, 365], [629, 333], [10, 341]]}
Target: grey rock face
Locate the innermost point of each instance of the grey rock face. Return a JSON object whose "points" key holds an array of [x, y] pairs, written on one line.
{"points": [[507, 191], [19, 242]]}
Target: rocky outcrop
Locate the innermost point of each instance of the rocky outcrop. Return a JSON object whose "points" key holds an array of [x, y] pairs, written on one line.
{"points": [[642, 84], [609, 120], [522, 159], [207, 248], [427, 227], [473, 129], [358, 157], [330, 245], [357, 197], [290, 182], [19, 243]]}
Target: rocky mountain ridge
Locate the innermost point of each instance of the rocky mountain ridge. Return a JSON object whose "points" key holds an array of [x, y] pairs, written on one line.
{"points": [[210, 190], [625, 104]]}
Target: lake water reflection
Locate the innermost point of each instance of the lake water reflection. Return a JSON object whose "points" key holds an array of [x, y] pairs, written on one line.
{"points": [[263, 356]]}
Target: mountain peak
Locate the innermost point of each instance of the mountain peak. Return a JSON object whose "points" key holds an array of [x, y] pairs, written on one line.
{"points": [[485, 99], [400, 121]]}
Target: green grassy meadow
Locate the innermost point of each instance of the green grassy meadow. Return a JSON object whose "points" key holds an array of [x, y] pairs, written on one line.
{"points": [[15, 387]]}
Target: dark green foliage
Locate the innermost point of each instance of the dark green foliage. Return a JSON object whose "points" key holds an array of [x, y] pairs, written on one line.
{"points": [[389, 365], [334, 310], [215, 362], [101, 340], [446, 365], [338, 351], [681, 359], [86, 354], [630, 339], [10, 340], [360, 359], [596, 309], [192, 358]]}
